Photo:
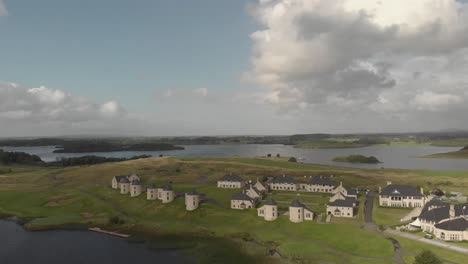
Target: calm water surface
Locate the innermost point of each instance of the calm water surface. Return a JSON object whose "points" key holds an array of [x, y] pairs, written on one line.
{"points": [[18, 246], [404, 157]]}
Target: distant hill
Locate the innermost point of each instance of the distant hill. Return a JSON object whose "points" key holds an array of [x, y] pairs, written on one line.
{"points": [[22, 158]]}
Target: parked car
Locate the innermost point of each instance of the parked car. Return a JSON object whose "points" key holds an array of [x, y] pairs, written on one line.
{"points": [[428, 236]]}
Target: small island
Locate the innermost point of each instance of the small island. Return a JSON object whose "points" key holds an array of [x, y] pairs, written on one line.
{"points": [[459, 154], [357, 159]]}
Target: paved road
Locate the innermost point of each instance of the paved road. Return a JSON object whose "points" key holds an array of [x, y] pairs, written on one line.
{"points": [[369, 204], [428, 241]]}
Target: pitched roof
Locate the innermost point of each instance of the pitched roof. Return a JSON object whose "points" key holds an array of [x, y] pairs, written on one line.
{"points": [[151, 186], [270, 202], [283, 179], [352, 192], [348, 202], [296, 203], [124, 180], [438, 214], [232, 178], [167, 187], [192, 192], [242, 197], [120, 177], [319, 180], [136, 182], [435, 202], [458, 224], [401, 190]]}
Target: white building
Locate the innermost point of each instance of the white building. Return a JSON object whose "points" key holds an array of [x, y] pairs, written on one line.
{"points": [[298, 212], [269, 211], [231, 182], [394, 195]]}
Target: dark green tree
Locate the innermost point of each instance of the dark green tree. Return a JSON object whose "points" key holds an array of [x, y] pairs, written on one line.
{"points": [[427, 257], [292, 159]]}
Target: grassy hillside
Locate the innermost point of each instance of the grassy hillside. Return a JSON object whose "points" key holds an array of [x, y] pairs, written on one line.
{"points": [[60, 197], [460, 154]]}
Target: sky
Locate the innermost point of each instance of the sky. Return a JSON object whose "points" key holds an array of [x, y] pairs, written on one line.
{"points": [[223, 67]]}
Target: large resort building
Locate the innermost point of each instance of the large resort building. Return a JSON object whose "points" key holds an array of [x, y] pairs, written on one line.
{"points": [[231, 181], [444, 220], [394, 195]]}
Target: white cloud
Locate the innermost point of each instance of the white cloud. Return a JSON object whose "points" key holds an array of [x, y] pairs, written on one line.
{"points": [[43, 104], [310, 52], [355, 63], [3, 10]]}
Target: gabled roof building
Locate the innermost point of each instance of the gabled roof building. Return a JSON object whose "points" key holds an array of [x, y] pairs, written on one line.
{"points": [[394, 195]]}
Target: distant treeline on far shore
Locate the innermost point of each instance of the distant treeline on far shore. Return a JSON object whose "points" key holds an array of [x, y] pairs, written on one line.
{"points": [[21, 158]]}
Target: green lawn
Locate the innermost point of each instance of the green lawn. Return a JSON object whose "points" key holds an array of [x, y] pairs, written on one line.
{"points": [[81, 195], [412, 248], [388, 216]]}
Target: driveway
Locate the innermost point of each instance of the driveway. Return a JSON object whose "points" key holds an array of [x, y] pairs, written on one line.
{"points": [[428, 241]]}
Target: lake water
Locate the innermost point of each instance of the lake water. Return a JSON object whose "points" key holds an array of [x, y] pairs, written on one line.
{"points": [[404, 157], [18, 246]]}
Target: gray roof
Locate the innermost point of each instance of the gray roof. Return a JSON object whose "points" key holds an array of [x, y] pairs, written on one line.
{"points": [[296, 203], [352, 192], [167, 187], [192, 192], [120, 177], [438, 214], [151, 186], [136, 182], [401, 190], [433, 203], [270, 202], [232, 178], [458, 224], [325, 181], [124, 180], [241, 196], [284, 179], [348, 202]]}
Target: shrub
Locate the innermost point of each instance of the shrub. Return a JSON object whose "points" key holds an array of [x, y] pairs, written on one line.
{"points": [[292, 159], [116, 220], [269, 155], [427, 257], [278, 155]]}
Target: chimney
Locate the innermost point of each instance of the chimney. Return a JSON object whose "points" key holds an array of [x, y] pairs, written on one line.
{"points": [[389, 183], [452, 211], [422, 191], [341, 183], [380, 189]]}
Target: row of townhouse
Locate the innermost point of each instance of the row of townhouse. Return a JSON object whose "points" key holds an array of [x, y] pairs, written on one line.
{"points": [[166, 194]]}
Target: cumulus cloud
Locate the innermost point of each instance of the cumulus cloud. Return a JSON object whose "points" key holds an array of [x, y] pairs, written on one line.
{"points": [[43, 104], [395, 57]]}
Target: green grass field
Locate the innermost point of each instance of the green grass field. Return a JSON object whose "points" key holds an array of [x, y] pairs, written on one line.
{"points": [[61, 197], [460, 154]]}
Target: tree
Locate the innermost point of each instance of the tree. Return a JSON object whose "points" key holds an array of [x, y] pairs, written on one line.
{"points": [[278, 155], [292, 159], [269, 155], [427, 257]]}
